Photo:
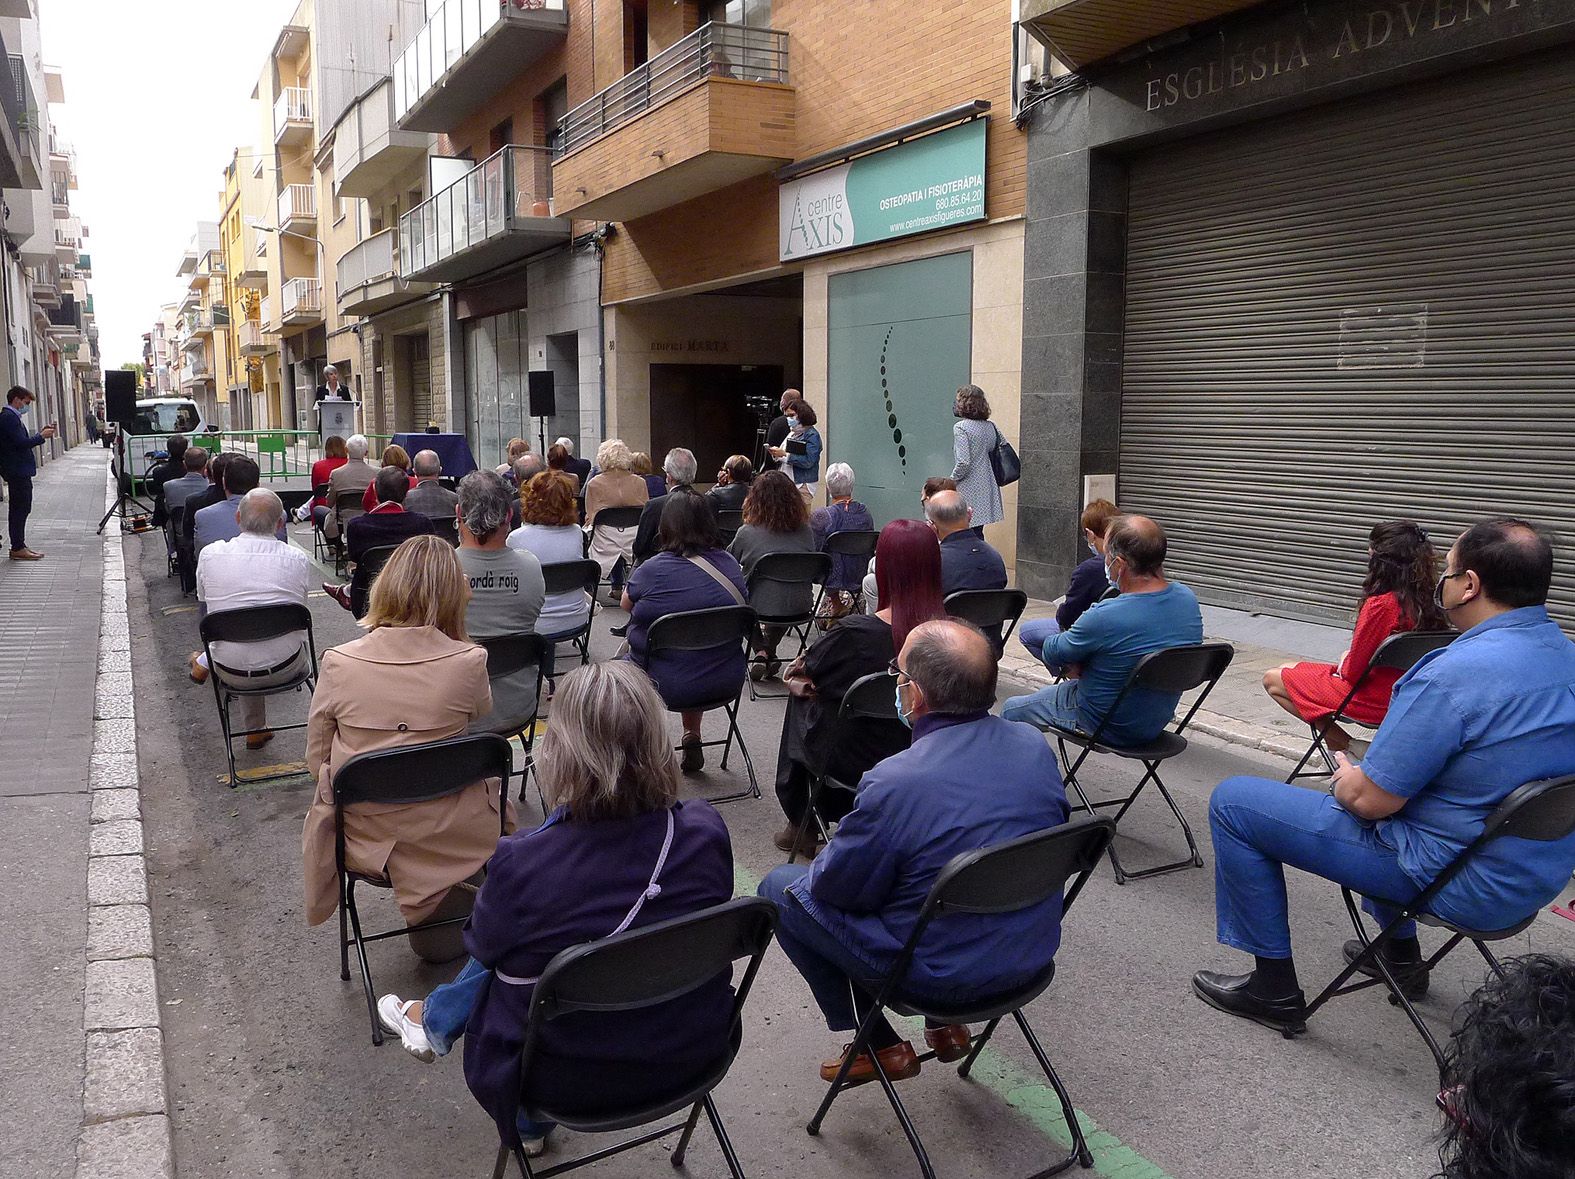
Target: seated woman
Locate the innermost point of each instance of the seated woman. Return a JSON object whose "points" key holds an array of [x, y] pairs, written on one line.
{"points": [[1396, 597], [842, 514], [776, 520], [618, 851], [732, 484], [688, 572], [613, 486], [393, 456], [413, 677], [550, 529], [558, 460], [334, 456], [1089, 583], [908, 577], [642, 466]]}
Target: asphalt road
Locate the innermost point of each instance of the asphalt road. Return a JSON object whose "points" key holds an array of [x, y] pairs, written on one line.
{"points": [[272, 1069]]}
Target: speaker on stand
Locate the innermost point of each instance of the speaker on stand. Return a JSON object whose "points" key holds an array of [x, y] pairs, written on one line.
{"points": [[120, 407], [543, 402]]}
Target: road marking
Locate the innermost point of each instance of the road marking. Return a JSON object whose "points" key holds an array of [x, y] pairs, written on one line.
{"points": [[168, 610]]}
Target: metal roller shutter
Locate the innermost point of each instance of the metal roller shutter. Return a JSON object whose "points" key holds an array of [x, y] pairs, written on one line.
{"points": [[1358, 313]]}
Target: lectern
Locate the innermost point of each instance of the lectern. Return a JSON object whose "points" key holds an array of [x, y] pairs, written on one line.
{"points": [[335, 417]]}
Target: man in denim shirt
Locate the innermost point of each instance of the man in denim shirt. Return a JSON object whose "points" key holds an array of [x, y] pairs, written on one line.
{"points": [[1467, 725]]}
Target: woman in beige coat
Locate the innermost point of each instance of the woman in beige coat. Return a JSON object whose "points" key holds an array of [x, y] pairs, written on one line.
{"points": [[614, 485], [414, 677]]}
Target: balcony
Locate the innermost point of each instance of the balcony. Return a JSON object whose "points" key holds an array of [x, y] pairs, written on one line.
{"points": [[208, 266], [370, 150], [199, 325], [20, 163], [369, 278], [253, 272], [486, 218], [301, 302], [85, 265], [194, 373], [466, 52], [292, 117], [46, 288], [708, 111], [1081, 32], [265, 315], [253, 339], [191, 299], [298, 207], [68, 247]]}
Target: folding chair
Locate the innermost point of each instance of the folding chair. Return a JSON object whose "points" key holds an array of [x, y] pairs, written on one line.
{"points": [[345, 508], [728, 522], [1543, 811], [855, 545], [507, 657], [253, 624], [869, 700], [707, 630], [781, 573], [447, 527], [371, 563], [632, 971], [415, 773], [172, 517], [1398, 652], [1006, 878], [622, 521], [993, 611], [565, 576], [1172, 670], [319, 540]]}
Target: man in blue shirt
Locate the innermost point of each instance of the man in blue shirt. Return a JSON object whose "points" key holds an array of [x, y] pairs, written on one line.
{"points": [[1102, 647], [18, 466], [968, 561], [1466, 726], [220, 521], [969, 780]]}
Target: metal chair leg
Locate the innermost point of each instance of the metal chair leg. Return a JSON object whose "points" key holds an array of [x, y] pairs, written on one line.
{"points": [[344, 941], [502, 1163], [1080, 1152], [722, 1139], [903, 1120], [366, 968], [683, 1139], [1489, 957], [978, 1046]]}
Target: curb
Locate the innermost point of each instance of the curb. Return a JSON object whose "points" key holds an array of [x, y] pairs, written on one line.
{"points": [[125, 1106]]}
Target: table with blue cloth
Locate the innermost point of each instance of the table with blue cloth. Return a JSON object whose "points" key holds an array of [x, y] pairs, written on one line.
{"points": [[452, 449]]}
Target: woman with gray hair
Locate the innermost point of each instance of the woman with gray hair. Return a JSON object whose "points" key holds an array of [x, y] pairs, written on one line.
{"points": [[618, 851], [842, 514], [614, 486]]}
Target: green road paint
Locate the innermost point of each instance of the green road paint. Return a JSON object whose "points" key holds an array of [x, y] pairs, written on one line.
{"points": [[1025, 1091]]}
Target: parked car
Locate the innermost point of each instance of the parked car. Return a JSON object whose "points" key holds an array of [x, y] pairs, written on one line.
{"points": [[156, 419]]}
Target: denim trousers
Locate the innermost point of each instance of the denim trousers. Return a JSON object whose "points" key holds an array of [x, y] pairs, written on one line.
{"points": [[1259, 826], [444, 1014], [1056, 704], [1033, 633], [832, 971]]}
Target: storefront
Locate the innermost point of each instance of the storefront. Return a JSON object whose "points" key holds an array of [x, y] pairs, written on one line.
{"points": [[1289, 324]]}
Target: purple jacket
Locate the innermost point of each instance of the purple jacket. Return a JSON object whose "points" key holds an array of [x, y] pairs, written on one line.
{"points": [[567, 883]]}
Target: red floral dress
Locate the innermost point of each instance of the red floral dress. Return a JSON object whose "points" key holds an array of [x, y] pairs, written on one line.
{"points": [[1318, 688]]}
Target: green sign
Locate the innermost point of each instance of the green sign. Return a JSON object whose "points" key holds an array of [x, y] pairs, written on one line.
{"points": [[925, 184]]}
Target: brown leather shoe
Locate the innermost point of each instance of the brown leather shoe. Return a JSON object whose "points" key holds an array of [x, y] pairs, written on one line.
{"points": [[258, 740], [26, 555], [900, 1062], [339, 593], [787, 839], [950, 1042], [197, 672]]}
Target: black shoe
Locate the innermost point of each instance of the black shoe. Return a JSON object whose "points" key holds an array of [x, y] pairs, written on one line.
{"points": [[618, 632], [1229, 993], [694, 755], [1412, 976]]}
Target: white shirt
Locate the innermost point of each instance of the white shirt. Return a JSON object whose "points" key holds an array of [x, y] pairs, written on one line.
{"points": [[253, 571]]}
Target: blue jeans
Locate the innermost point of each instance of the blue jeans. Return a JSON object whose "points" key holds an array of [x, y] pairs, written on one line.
{"points": [[444, 1014], [1033, 633], [1055, 704], [832, 972], [1259, 826]]}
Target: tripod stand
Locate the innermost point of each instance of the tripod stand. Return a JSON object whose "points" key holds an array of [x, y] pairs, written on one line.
{"points": [[123, 498]]}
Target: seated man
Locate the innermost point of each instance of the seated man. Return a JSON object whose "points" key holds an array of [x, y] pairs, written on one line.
{"points": [[506, 586], [428, 496], [580, 468], [255, 568], [173, 467], [386, 524], [968, 561], [194, 461], [355, 474], [1106, 643], [970, 780], [1086, 587], [525, 468], [680, 468], [206, 498], [218, 521], [1466, 726], [732, 484], [932, 485]]}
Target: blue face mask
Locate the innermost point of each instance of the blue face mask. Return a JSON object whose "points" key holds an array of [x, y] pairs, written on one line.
{"points": [[1109, 576], [901, 715], [792, 421]]}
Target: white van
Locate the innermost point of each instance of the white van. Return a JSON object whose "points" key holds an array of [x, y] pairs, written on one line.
{"points": [[156, 419]]}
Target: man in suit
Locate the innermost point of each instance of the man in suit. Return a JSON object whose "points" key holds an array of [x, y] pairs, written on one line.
{"points": [[219, 521], [680, 468], [578, 467], [968, 562], [18, 466], [354, 475], [428, 496], [386, 524], [171, 468]]}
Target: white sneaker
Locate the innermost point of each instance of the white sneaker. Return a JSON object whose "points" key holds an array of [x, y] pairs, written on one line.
{"points": [[391, 1014], [534, 1147]]}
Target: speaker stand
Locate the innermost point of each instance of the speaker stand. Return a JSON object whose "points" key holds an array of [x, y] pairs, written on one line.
{"points": [[123, 499]]}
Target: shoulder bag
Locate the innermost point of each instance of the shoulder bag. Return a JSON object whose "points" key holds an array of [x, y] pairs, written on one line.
{"points": [[1004, 461]]}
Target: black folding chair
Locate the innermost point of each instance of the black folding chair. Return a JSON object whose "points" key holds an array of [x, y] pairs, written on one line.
{"points": [[507, 657], [869, 700], [856, 544], [728, 522], [993, 611], [1543, 811], [447, 527], [370, 564], [565, 576], [252, 624], [415, 773], [1006, 878], [1172, 670], [172, 517], [319, 541], [708, 630], [633, 971], [184, 558], [783, 573], [347, 505], [1399, 653], [620, 520]]}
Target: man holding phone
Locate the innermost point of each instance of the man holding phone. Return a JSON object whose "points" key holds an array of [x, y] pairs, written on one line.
{"points": [[18, 466]]}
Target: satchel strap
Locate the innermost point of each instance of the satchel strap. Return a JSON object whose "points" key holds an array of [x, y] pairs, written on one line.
{"points": [[719, 577]]}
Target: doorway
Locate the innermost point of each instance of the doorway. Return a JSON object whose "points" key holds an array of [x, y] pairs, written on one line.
{"points": [[563, 361], [709, 408]]}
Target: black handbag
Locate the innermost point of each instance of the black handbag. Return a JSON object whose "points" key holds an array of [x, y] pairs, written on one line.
{"points": [[1004, 462]]}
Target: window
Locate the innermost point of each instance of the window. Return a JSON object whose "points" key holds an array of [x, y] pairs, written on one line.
{"points": [[339, 209], [165, 417], [754, 13]]}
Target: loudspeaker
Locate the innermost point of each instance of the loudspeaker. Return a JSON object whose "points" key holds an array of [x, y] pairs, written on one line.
{"points": [[120, 395], [543, 402]]}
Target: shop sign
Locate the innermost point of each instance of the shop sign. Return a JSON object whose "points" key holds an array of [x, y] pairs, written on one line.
{"points": [[925, 184]]}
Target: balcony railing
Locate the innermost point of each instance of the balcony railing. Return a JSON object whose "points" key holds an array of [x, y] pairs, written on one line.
{"points": [[488, 216], [301, 299], [494, 39], [370, 150], [714, 50], [298, 202], [369, 261], [292, 113], [265, 313], [252, 338]]}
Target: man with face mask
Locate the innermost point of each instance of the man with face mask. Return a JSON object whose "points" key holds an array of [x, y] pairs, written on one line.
{"points": [[844, 920], [18, 466], [1466, 726]]}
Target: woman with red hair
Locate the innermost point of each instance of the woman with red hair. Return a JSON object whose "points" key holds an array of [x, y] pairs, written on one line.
{"points": [[908, 592]]}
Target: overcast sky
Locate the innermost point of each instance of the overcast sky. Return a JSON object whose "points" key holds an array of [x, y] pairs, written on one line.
{"points": [[157, 97]]}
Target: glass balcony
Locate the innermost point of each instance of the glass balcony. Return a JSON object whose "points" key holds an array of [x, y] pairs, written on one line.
{"points": [[466, 52], [370, 150], [486, 218], [369, 278], [292, 116]]}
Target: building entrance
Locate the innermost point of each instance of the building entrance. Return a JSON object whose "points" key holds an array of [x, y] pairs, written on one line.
{"points": [[715, 410]]}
